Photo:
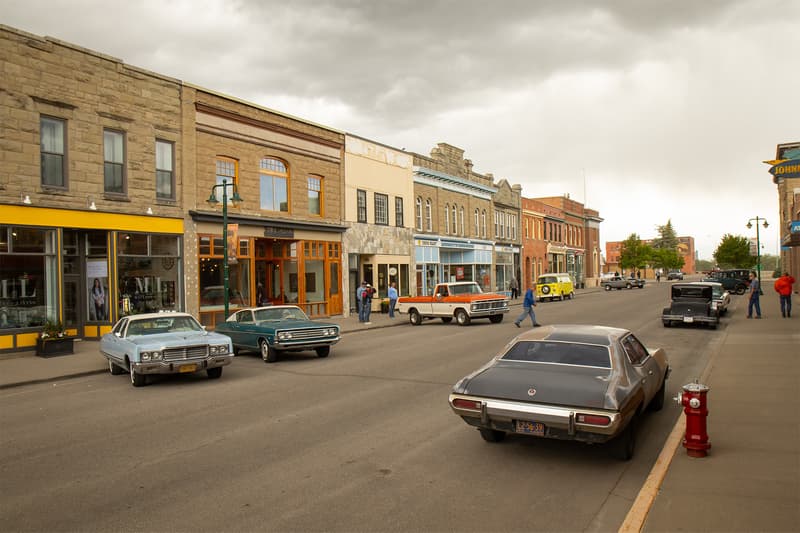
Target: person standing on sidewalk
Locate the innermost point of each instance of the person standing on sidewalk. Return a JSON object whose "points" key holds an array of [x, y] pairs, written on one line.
{"points": [[359, 300], [755, 293], [783, 286], [366, 302], [392, 294], [528, 303], [514, 286]]}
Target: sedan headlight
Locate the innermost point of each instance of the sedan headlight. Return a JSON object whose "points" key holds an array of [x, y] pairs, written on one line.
{"points": [[218, 349], [284, 335], [151, 356]]}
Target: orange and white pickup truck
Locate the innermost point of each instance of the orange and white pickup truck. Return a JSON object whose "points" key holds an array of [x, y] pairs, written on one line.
{"points": [[462, 300]]}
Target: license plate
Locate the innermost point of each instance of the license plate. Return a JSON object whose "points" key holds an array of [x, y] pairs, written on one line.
{"points": [[688, 319], [187, 368], [530, 428]]}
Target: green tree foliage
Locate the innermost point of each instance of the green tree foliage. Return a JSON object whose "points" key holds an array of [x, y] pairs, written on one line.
{"points": [[634, 253], [667, 238], [704, 265], [667, 259], [734, 252]]}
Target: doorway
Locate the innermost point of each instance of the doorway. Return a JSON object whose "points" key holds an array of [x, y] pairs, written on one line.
{"points": [[85, 278]]}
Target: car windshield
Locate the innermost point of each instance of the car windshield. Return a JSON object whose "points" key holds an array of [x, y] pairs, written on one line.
{"points": [[565, 353], [284, 313], [470, 288], [544, 281], [155, 326]]}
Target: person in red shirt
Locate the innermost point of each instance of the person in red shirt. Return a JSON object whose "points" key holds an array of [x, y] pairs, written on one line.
{"points": [[783, 286]]}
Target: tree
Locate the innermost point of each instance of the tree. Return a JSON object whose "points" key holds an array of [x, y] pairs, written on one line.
{"points": [[667, 239], [668, 259], [734, 252], [704, 265], [634, 253]]}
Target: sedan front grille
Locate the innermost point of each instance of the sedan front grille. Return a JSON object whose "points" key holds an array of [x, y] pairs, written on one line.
{"points": [[187, 352], [303, 334]]}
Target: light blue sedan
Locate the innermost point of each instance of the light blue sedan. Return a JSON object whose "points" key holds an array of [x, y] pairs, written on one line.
{"points": [[164, 343]]}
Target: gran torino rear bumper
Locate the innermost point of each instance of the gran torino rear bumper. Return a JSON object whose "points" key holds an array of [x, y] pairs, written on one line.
{"points": [[560, 422]]}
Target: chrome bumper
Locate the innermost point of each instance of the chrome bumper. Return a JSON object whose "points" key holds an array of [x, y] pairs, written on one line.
{"points": [[305, 344], [174, 367], [501, 414]]}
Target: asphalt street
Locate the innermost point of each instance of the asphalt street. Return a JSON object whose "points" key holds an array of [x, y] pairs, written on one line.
{"points": [[360, 441]]}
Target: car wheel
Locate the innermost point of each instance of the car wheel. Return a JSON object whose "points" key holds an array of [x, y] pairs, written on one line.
{"points": [[740, 289], [323, 351], [545, 290], [137, 380], [657, 403], [214, 373], [496, 319], [608, 287], [414, 317], [462, 317], [115, 370], [625, 443], [236, 350], [667, 323], [492, 435], [268, 353], [447, 319]]}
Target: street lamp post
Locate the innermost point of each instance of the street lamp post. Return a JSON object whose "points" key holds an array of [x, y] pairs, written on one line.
{"points": [[758, 243], [212, 201]]}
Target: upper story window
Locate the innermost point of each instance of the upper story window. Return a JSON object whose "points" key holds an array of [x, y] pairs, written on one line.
{"points": [[398, 211], [455, 223], [419, 213], [165, 176], [477, 223], [447, 218], [461, 220], [483, 223], [315, 195], [274, 184], [53, 142], [361, 202], [114, 162], [428, 215], [381, 209], [227, 170]]}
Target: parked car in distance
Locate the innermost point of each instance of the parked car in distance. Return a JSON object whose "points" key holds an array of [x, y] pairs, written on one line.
{"points": [[734, 280], [276, 329], [721, 297], [691, 304], [619, 283], [462, 300], [552, 286], [164, 343], [674, 275], [570, 382]]}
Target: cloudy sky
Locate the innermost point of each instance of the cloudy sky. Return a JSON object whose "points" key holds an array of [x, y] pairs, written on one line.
{"points": [[646, 110]]}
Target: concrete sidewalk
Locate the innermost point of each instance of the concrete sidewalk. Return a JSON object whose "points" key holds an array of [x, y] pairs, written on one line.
{"points": [[750, 480]]}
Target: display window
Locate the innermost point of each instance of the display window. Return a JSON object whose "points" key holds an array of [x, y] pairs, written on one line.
{"points": [[149, 270], [212, 282]]}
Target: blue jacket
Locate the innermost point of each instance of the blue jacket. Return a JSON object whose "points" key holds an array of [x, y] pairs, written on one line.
{"points": [[530, 299]]}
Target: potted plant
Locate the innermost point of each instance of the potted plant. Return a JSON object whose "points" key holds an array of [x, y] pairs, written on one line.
{"points": [[53, 340]]}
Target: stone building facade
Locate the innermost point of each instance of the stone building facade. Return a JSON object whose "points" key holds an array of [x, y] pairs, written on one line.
{"points": [[785, 172], [91, 209], [379, 198], [507, 207]]}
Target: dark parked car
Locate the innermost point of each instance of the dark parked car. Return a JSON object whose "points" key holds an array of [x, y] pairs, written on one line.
{"points": [[568, 382], [733, 280], [674, 275], [721, 297], [692, 303], [276, 329]]}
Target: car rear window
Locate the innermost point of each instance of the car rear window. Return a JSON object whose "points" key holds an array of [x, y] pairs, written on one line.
{"points": [[548, 280], [565, 353]]}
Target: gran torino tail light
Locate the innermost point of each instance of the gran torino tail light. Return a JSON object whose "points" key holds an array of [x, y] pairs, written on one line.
{"points": [[462, 403], [595, 420]]}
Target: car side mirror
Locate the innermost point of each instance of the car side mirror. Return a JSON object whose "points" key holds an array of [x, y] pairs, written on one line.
{"points": [[117, 334]]}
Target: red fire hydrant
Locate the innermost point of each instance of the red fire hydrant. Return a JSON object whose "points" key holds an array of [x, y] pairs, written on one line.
{"points": [[694, 400]]}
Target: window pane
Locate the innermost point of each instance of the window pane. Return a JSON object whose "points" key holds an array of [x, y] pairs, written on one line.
{"points": [[27, 240], [381, 209], [164, 166], [112, 146], [164, 155], [281, 195], [52, 169], [132, 244], [362, 205], [164, 245], [267, 194], [314, 195], [52, 135], [113, 178]]}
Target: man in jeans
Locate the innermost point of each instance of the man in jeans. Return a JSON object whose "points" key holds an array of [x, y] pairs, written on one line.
{"points": [[783, 286], [755, 293], [527, 309]]}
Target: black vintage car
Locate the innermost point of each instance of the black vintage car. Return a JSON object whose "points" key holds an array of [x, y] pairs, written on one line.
{"points": [[691, 304], [733, 280]]}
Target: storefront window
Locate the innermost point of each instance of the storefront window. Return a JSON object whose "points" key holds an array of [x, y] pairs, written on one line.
{"points": [[149, 273], [315, 283], [28, 283]]}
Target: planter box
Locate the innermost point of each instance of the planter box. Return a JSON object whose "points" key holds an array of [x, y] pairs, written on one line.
{"points": [[54, 347]]}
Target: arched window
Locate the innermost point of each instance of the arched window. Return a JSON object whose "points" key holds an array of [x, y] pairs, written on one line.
{"points": [[477, 223], [461, 221], [455, 225], [483, 222], [419, 213], [274, 186], [428, 215]]}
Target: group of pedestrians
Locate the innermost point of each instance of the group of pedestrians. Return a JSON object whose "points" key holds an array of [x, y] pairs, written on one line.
{"points": [[783, 286], [364, 295]]}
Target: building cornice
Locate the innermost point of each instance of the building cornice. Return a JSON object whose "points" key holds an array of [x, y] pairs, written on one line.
{"points": [[282, 223]]}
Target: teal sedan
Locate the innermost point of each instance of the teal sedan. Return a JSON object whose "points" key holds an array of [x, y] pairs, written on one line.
{"points": [[276, 329]]}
